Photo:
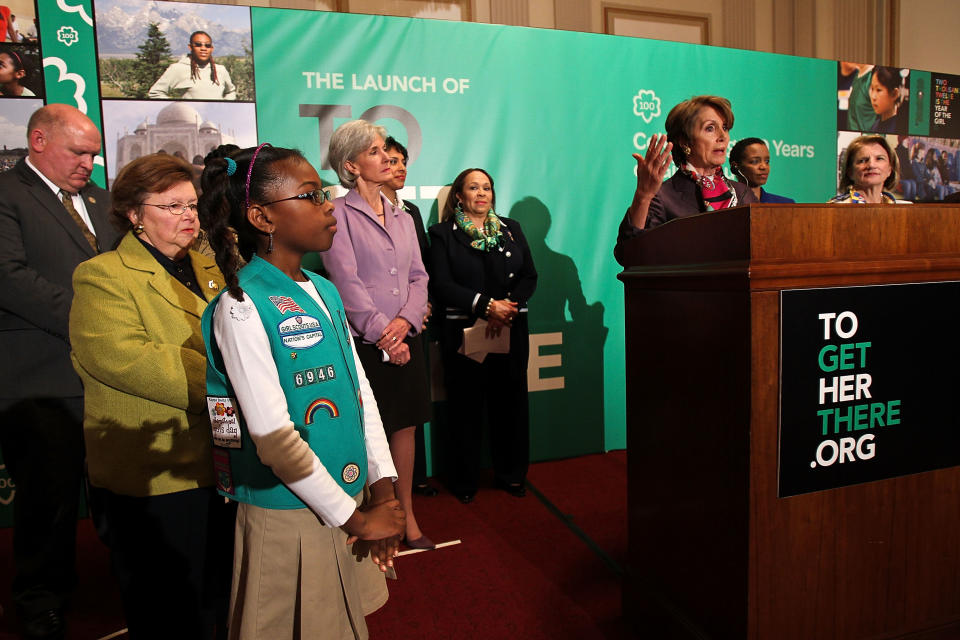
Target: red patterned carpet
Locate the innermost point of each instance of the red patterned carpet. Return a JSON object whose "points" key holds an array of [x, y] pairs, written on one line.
{"points": [[545, 566]]}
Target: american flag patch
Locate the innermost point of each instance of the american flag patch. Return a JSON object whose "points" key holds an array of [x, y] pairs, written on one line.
{"points": [[284, 304]]}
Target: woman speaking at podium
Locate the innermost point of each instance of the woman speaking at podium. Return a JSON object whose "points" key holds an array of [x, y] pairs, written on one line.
{"points": [[698, 132]]}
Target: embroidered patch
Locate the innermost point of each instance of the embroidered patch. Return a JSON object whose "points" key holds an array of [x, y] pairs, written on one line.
{"points": [[285, 303], [221, 467], [300, 332], [224, 421], [240, 311], [321, 403], [314, 375], [350, 473]]}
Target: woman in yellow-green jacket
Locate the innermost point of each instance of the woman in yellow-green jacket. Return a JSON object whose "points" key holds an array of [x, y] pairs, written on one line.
{"points": [[137, 345]]}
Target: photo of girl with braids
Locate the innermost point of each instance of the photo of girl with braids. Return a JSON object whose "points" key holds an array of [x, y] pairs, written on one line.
{"points": [[16, 77], [195, 76], [297, 432]]}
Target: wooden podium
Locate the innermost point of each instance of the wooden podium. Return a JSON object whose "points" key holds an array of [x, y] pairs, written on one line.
{"points": [[713, 551]]}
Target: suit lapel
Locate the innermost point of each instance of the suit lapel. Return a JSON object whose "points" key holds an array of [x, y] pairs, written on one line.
{"points": [[207, 272], [135, 256], [98, 207], [499, 264], [686, 189], [460, 235], [471, 256], [51, 206], [355, 201]]}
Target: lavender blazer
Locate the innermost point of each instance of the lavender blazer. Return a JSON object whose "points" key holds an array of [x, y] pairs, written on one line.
{"points": [[378, 270]]}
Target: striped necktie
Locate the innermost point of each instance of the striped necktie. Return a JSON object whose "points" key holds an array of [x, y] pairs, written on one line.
{"points": [[68, 204]]}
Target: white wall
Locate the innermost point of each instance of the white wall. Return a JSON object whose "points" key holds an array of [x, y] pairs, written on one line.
{"points": [[928, 35]]}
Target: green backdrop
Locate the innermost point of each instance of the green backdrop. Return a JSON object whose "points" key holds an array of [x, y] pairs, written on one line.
{"points": [[551, 115]]}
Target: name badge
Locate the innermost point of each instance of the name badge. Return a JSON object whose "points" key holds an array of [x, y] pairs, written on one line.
{"points": [[224, 421]]}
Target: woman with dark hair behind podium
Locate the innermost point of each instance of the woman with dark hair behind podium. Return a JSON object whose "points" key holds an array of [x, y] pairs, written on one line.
{"points": [[750, 163], [696, 140]]}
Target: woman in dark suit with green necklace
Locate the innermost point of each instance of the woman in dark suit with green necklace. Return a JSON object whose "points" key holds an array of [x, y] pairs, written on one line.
{"points": [[481, 267]]}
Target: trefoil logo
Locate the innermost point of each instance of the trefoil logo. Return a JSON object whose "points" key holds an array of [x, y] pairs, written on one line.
{"points": [[646, 104]]}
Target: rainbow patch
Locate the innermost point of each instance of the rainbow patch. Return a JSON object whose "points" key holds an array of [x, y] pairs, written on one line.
{"points": [[321, 403]]}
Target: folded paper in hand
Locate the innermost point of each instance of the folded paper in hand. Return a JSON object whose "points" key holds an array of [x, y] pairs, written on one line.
{"points": [[476, 344]]}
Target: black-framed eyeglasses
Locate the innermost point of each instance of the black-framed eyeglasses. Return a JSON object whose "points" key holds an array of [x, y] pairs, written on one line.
{"points": [[174, 208], [317, 196], [202, 45]]}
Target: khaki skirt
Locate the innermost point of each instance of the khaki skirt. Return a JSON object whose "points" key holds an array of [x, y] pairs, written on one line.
{"points": [[295, 578]]}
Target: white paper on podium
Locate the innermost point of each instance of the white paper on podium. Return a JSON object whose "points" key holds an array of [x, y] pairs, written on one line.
{"points": [[476, 344]]}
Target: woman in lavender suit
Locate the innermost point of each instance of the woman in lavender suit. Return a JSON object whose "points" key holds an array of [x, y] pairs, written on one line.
{"points": [[375, 263]]}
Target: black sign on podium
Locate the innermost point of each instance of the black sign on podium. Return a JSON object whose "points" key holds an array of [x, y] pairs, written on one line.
{"points": [[868, 384]]}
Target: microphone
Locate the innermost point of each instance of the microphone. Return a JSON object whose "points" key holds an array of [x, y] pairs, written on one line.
{"points": [[736, 170]]}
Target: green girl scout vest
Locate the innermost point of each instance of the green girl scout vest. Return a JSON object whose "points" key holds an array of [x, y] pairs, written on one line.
{"points": [[319, 379]]}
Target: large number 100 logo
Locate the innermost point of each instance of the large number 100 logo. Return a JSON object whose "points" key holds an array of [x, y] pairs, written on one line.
{"points": [[326, 113]]}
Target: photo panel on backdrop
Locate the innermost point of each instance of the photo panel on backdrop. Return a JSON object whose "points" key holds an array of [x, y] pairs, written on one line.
{"points": [[13, 129], [872, 98], [20, 71], [188, 130], [174, 51]]}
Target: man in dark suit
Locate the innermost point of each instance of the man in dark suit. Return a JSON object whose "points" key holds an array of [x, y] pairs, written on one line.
{"points": [[51, 219]]}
